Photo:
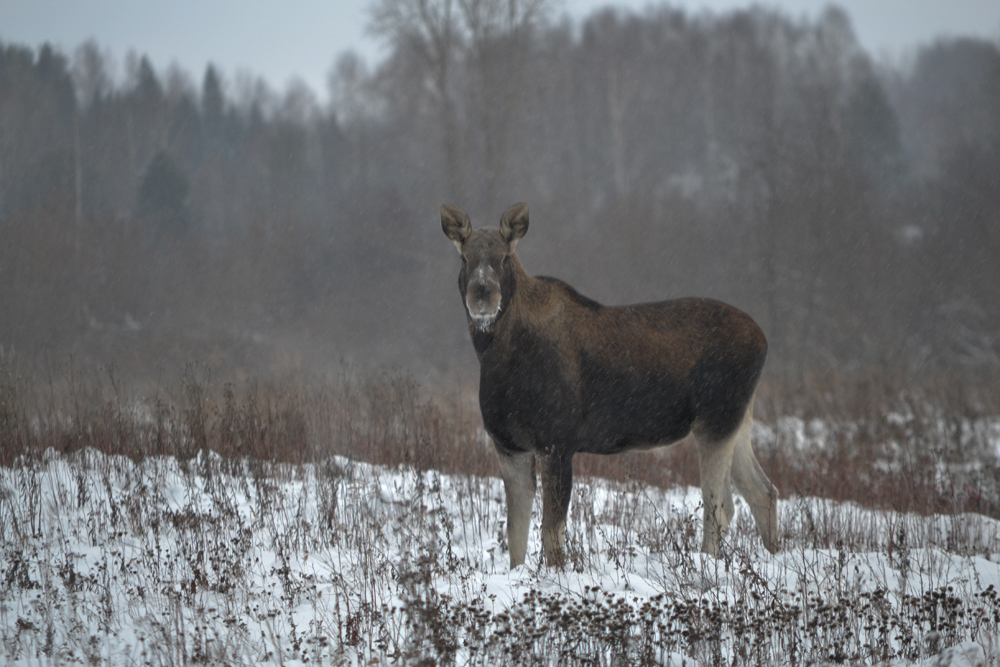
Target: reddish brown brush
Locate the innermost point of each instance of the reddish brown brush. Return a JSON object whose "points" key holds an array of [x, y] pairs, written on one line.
{"points": [[908, 447]]}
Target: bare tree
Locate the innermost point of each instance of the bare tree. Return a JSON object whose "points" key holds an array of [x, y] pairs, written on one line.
{"points": [[429, 30], [484, 40], [499, 41]]}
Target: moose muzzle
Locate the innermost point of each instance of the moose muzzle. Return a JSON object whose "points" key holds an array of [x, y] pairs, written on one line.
{"points": [[482, 297]]}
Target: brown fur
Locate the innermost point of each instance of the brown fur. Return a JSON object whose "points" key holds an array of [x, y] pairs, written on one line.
{"points": [[560, 374]]}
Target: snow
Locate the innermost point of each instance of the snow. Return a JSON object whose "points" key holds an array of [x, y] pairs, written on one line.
{"points": [[110, 561]]}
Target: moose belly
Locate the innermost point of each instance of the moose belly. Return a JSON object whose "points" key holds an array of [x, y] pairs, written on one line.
{"points": [[600, 410], [632, 410]]}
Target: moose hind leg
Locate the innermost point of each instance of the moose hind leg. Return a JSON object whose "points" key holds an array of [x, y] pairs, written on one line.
{"points": [[556, 471], [715, 459], [518, 472], [754, 485]]}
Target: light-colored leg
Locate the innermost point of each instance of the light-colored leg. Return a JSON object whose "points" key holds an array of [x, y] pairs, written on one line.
{"points": [[557, 484], [518, 472], [715, 459], [727, 498], [754, 486]]}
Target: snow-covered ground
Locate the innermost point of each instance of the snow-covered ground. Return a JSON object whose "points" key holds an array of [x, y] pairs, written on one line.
{"points": [[162, 562]]}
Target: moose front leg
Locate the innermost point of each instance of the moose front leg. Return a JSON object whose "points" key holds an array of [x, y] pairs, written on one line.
{"points": [[518, 472], [557, 483]]}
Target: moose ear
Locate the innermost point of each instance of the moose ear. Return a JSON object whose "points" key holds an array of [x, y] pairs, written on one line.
{"points": [[456, 225], [514, 223]]}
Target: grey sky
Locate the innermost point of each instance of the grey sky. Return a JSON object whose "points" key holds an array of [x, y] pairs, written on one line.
{"points": [[302, 38]]}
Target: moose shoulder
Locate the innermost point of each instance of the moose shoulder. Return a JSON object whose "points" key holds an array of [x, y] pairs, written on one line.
{"points": [[561, 374]]}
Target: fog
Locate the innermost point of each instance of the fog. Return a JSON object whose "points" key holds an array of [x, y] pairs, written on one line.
{"points": [[153, 218]]}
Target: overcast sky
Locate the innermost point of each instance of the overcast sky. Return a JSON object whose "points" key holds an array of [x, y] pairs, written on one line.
{"points": [[302, 38]]}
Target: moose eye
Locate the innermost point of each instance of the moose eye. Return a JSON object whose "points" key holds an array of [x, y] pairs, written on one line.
{"points": [[506, 261], [464, 261]]}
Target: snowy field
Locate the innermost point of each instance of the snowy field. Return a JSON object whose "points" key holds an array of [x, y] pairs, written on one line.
{"points": [[213, 561]]}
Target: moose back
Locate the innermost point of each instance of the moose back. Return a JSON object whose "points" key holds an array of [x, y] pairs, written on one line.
{"points": [[561, 374]]}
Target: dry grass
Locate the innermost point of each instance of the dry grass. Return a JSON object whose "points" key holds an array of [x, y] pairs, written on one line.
{"points": [[922, 447], [407, 591], [383, 417], [163, 562]]}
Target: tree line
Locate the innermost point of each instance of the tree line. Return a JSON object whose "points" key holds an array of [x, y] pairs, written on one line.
{"points": [[851, 206]]}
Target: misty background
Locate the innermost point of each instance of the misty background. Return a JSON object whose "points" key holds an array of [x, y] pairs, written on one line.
{"points": [[154, 217]]}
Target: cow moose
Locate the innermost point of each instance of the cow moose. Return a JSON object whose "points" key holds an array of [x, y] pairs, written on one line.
{"points": [[561, 374]]}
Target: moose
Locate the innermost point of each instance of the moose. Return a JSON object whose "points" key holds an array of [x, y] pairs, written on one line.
{"points": [[561, 374]]}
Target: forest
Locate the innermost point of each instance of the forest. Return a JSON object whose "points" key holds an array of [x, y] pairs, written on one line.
{"points": [[150, 217]]}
